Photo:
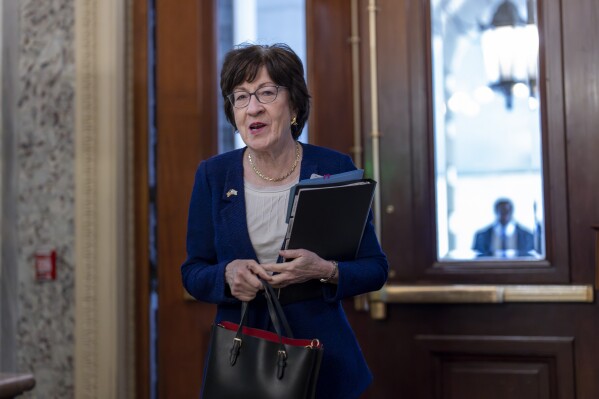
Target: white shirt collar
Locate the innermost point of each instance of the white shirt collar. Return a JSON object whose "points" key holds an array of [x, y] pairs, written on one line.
{"points": [[510, 229]]}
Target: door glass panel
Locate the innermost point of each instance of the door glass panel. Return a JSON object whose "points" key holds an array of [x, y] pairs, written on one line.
{"points": [[259, 22], [487, 131]]}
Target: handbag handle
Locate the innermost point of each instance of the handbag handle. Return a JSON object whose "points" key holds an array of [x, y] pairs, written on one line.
{"points": [[272, 299], [277, 317]]}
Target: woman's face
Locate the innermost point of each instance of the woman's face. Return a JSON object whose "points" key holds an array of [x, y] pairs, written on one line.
{"points": [[264, 127]]}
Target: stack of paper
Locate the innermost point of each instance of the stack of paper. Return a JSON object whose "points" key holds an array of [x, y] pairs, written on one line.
{"points": [[327, 215]]}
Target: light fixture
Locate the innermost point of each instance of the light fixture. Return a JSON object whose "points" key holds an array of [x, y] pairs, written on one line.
{"points": [[510, 49]]}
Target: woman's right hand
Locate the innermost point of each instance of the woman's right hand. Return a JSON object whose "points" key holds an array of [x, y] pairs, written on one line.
{"points": [[242, 277]]}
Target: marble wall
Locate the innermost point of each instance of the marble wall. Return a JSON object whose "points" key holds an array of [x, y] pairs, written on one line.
{"points": [[44, 209]]}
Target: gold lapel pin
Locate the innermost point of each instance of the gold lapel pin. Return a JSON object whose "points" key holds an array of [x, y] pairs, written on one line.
{"points": [[231, 192]]}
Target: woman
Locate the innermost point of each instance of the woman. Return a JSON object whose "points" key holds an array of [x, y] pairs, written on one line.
{"points": [[237, 219]]}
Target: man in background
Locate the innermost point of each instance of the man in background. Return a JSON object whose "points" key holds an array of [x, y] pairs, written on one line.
{"points": [[505, 238]]}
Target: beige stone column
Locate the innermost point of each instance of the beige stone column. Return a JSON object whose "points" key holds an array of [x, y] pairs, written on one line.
{"points": [[103, 285]]}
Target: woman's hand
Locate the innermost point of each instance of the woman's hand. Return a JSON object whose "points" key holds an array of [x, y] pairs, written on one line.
{"points": [[306, 265], [242, 277]]}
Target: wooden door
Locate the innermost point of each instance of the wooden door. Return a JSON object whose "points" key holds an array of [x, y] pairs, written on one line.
{"points": [[495, 343], [175, 92], [415, 350]]}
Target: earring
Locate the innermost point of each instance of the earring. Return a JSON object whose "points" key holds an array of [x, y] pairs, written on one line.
{"points": [[294, 121]]}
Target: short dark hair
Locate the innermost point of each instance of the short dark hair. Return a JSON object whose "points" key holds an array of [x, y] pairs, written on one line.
{"points": [[501, 201], [243, 63]]}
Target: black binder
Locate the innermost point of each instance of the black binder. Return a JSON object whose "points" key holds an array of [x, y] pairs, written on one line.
{"points": [[329, 218]]}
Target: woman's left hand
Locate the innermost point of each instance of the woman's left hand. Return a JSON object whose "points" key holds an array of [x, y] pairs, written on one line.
{"points": [[305, 265]]}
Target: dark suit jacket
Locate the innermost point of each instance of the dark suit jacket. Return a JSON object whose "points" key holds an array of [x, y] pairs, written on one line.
{"points": [[484, 238], [218, 234]]}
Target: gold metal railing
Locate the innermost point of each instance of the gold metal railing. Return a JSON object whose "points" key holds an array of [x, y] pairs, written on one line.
{"points": [[491, 294]]}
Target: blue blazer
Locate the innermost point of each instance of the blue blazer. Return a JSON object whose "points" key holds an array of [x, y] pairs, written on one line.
{"points": [[484, 238], [217, 234]]}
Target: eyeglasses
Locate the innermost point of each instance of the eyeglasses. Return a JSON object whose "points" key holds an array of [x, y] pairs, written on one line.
{"points": [[264, 95]]}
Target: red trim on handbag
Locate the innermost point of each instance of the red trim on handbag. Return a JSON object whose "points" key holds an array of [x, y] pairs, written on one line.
{"points": [[270, 336]]}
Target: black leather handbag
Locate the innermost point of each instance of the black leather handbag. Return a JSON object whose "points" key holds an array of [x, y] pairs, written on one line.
{"points": [[249, 363]]}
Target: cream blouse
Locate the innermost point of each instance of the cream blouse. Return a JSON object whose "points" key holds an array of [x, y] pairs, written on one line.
{"points": [[266, 208]]}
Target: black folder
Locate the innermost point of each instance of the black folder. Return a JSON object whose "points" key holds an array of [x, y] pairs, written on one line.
{"points": [[329, 218]]}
